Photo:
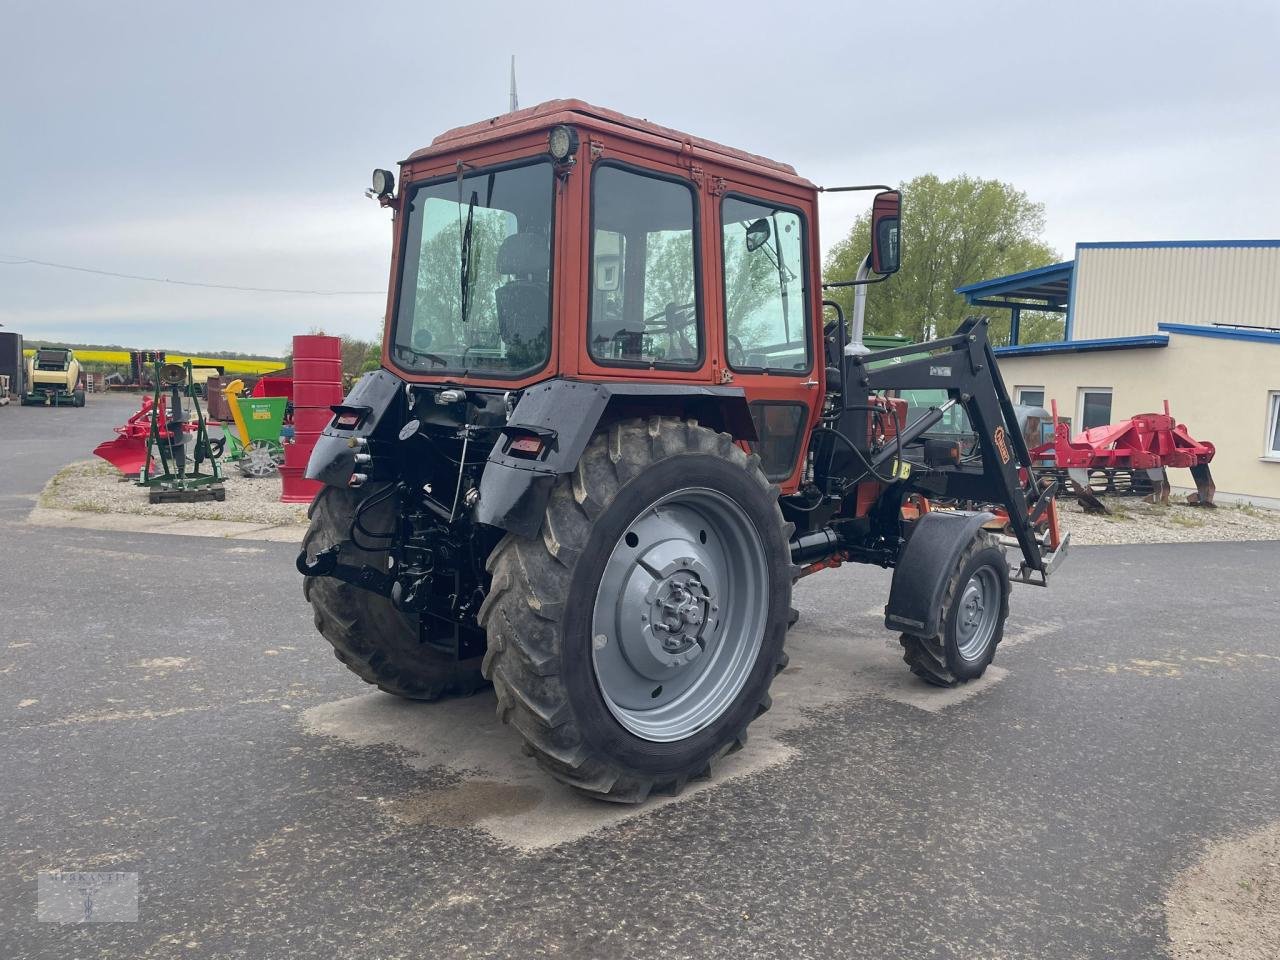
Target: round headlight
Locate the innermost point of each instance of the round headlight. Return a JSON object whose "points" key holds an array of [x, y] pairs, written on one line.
{"points": [[384, 183], [563, 143]]}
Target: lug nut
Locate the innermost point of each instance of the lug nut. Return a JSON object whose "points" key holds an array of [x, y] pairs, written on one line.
{"points": [[364, 458], [357, 480]]}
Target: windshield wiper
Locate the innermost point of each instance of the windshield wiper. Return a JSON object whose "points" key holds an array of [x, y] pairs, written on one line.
{"points": [[422, 354], [465, 256]]}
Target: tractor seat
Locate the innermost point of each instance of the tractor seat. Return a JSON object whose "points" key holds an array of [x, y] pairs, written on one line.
{"points": [[523, 302]]}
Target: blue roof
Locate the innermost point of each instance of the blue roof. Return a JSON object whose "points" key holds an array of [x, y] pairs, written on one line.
{"points": [[1223, 332], [1084, 346], [1143, 244], [1043, 287]]}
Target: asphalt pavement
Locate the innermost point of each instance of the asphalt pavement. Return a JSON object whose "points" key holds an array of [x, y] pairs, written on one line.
{"points": [[169, 710]]}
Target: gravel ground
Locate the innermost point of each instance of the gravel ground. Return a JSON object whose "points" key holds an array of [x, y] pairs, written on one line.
{"points": [[97, 487], [1227, 905], [94, 486], [1133, 520]]}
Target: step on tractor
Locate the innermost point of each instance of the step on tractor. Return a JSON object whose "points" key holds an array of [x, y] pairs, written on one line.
{"points": [[616, 422]]}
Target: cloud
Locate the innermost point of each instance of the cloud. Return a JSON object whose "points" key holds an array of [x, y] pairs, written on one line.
{"points": [[231, 146]]}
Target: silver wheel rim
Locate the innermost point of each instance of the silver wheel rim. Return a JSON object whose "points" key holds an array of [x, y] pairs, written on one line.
{"points": [[260, 459], [680, 614], [978, 612]]}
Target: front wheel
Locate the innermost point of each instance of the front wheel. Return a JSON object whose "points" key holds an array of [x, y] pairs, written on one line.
{"points": [[975, 605], [634, 640]]}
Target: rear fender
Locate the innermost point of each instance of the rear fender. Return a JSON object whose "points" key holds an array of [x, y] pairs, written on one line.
{"points": [[376, 401], [565, 414], [924, 566]]}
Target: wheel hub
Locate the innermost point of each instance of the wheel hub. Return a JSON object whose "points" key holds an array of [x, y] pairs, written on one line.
{"points": [[679, 614], [679, 608]]}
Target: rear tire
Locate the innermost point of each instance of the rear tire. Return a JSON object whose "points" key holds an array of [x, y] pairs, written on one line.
{"points": [[975, 605], [370, 636], [567, 646]]}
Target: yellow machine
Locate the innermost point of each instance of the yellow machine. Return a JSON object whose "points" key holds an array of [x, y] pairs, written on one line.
{"points": [[54, 378]]}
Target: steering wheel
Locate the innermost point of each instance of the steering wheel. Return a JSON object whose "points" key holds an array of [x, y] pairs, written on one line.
{"points": [[736, 354], [668, 316]]}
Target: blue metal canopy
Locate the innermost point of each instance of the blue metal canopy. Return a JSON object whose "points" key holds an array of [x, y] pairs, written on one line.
{"points": [[1045, 288]]}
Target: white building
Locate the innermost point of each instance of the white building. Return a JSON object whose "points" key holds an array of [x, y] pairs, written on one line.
{"points": [[1194, 322]]}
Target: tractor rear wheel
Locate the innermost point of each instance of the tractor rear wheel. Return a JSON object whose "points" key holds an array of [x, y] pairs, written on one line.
{"points": [[635, 638], [975, 605], [376, 641]]}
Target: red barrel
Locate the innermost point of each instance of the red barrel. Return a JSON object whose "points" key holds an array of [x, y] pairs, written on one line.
{"points": [[309, 420], [297, 488], [308, 393], [317, 384], [317, 346], [298, 453], [316, 371]]}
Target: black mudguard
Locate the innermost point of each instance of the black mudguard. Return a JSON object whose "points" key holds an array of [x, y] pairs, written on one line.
{"points": [[372, 399], [565, 414], [926, 562]]}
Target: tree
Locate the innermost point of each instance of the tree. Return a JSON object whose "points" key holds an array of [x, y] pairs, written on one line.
{"points": [[954, 232]]}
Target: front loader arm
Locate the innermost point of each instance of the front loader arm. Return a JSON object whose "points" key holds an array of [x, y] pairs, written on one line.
{"points": [[965, 366]]}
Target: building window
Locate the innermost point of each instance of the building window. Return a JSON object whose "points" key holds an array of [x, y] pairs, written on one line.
{"points": [[1029, 396], [1095, 407], [1273, 425]]}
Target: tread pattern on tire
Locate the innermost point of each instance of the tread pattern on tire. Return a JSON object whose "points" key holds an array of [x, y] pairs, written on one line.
{"points": [[370, 637], [927, 656], [531, 577]]}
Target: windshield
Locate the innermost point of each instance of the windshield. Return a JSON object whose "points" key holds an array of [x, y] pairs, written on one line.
{"points": [[475, 292]]}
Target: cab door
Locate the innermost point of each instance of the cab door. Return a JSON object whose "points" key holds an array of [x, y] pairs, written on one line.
{"points": [[767, 337]]}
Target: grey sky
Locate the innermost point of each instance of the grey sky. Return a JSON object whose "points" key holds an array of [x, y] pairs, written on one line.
{"points": [[231, 142]]}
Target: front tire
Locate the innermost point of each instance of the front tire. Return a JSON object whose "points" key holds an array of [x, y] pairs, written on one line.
{"points": [[374, 640], [975, 606], [635, 639]]}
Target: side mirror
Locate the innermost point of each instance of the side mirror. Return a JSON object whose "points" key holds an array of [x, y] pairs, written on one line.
{"points": [[757, 234], [608, 274], [886, 248]]}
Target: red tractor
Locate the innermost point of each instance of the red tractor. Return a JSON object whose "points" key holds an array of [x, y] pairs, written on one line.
{"points": [[612, 429]]}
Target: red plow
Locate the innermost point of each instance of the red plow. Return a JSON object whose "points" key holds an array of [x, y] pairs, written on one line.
{"points": [[1127, 458], [128, 452]]}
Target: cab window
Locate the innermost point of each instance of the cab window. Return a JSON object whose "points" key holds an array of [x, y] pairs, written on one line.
{"points": [[765, 271], [644, 278]]}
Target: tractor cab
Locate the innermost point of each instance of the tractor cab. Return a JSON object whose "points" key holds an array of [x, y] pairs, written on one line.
{"points": [[568, 241]]}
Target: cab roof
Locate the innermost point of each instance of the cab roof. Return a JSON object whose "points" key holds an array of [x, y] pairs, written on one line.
{"points": [[586, 116]]}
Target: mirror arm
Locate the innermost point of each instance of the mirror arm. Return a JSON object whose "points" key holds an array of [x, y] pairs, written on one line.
{"points": [[869, 186], [879, 278], [860, 280], [863, 277]]}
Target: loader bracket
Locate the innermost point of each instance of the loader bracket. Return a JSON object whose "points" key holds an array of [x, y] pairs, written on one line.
{"points": [[924, 566]]}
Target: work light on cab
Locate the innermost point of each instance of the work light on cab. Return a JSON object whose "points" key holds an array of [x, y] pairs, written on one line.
{"points": [[384, 184], [562, 143]]}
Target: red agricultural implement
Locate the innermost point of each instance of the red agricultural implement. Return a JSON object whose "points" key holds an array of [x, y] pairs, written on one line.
{"points": [[128, 452], [1127, 458]]}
